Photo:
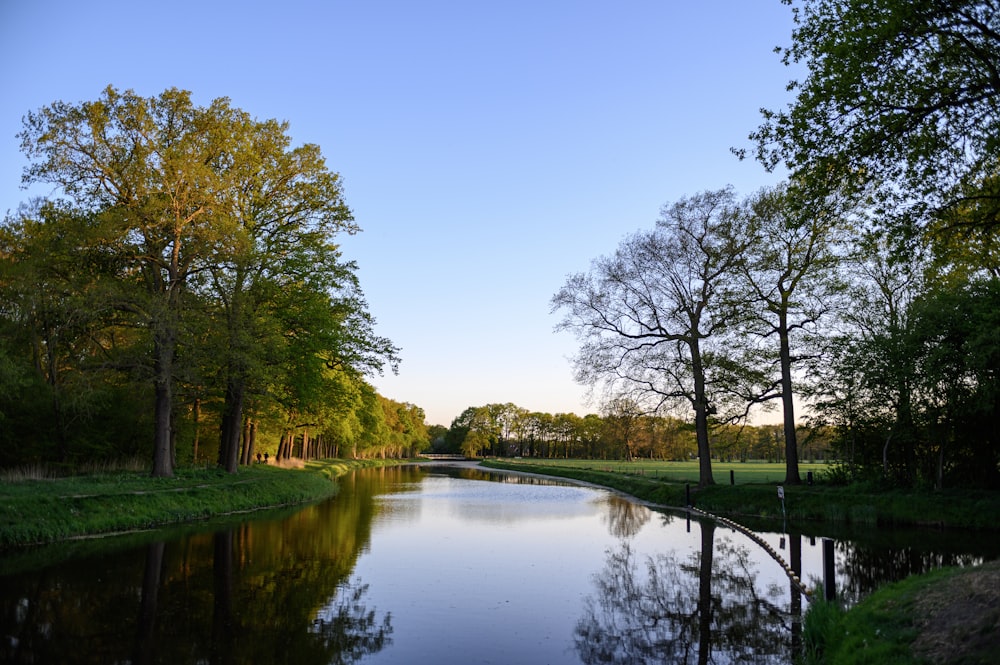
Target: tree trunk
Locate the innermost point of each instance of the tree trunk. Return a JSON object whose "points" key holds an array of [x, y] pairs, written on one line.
{"points": [[791, 444], [246, 451], [251, 434], [705, 598], [285, 447], [281, 447], [232, 426], [196, 416], [162, 388], [701, 418], [146, 621]]}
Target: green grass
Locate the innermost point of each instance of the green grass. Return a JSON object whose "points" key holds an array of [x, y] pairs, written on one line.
{"points": [[685, 472], [883, 627], [35, 511], [755, 493]]}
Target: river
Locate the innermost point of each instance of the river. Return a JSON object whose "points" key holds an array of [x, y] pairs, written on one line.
{"points": [[444, 565]]}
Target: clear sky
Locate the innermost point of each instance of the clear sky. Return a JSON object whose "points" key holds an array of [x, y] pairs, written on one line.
{"points": [[488, 148]]}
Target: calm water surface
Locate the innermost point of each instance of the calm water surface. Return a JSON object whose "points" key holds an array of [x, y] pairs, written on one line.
{"points": [[442, 565]]}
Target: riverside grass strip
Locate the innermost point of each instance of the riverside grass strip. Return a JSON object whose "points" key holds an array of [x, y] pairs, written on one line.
{"points": [[664, 483], [685, 472], [42, 511]]}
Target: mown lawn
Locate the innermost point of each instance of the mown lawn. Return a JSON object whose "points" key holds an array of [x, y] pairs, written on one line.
{"points": [[754, 493], [686, 472]]}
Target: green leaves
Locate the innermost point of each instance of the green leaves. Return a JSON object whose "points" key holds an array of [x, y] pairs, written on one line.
{"points": [[899, 95], [209, 233]]}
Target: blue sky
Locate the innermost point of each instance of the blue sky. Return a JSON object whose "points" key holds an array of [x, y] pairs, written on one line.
{"points": [[488, 149]]}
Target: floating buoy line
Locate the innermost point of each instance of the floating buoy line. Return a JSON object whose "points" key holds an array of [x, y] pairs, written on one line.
{"points": [[792, 575]]}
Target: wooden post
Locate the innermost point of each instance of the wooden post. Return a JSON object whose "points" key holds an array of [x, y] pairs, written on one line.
{"points": [[829, 581]]}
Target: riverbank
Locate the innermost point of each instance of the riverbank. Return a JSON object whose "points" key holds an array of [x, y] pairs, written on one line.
{"points": [[961, 509], [946, 616], [38, 511], [949, 615]]}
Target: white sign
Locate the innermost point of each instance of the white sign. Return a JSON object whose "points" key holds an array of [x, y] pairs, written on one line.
{"points": [[781, 493]]}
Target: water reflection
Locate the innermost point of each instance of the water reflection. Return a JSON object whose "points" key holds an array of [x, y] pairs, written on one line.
{"points": [[625, 518], [349, 629], [275, 591], [861, 570], [415, 565], [699, 609]]}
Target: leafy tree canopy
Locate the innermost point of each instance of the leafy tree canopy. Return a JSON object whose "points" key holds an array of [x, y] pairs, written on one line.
{"points": [[899, 95]]}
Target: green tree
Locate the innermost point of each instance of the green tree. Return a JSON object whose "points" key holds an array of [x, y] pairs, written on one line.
{"points": [[475, 442], [956, 340], [71, 354], [865, 383], [216, 238], [41, 286], [790, 279], [651, 317], [460, 427], [898, 94], [622, 418], [591, 435], [147, 170], [279, 210], [408, 435], [506, 422]]}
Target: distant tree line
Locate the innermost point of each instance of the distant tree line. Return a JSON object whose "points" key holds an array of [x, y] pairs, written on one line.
{"points": [[620, 433], [868, 283], [181, 296]]}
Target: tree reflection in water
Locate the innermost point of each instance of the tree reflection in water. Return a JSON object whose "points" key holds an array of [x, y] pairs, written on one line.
{"points": [[625, 518], [269, 591], [348, 629], [705, 609]]}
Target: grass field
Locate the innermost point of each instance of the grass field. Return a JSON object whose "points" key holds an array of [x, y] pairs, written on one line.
{"points": [[687, 472], [667, 484]]}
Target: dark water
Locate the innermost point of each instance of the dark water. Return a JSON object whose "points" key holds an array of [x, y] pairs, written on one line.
{"points": [[432, 565]]}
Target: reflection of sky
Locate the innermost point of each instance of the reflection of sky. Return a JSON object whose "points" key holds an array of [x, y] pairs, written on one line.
{"points": [[496, 503], [487, 572]]}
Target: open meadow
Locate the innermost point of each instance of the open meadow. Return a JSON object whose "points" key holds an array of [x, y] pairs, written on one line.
{"points": [[755, 472]]}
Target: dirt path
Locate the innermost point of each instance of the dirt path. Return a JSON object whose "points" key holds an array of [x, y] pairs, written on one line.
{"points": [[959, 619]]}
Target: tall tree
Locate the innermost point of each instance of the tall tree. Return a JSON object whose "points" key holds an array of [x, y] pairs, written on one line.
{"points": [[147, 168], [956, 338], [865, 383], [45, 276], [621, 421], [901, 94], [789, 278], [650, 316], [280, 211], [210, 214]]}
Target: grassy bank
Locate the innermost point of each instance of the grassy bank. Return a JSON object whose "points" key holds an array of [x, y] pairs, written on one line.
{"points": [[34, 511], [754, 493], [945, 616]]}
